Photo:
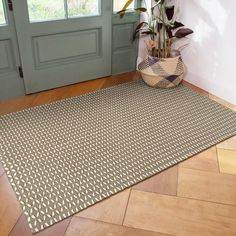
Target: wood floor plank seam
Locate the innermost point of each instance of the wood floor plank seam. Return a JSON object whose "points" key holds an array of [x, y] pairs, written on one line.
{"points": [[175, 215], [111, 210], [208, 171], [67, 226], [194, 199], [146, 191], [218, 203], [103, 221], [165, 182], [218, 162], [226, 149], [128, 227], [16, 223], [177, 189], [177, 175], [126, 206], [177, 182]]}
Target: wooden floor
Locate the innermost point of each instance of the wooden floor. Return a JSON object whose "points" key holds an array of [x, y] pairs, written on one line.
{"points": [[196, 197]]}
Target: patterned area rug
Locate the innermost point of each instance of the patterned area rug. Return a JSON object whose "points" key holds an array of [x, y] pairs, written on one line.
{"points": [[63, 157]]}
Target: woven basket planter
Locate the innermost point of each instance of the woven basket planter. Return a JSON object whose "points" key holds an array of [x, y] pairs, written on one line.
{"points": [[162, 72]]}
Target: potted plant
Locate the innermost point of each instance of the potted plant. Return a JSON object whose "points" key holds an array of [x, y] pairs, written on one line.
{"points": [[163, 67]]}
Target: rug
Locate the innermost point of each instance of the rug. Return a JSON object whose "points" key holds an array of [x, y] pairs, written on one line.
{"points": [[65, 156]]}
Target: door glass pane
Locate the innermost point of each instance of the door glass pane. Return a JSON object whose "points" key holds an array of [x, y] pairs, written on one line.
{"points": [[118, 5], [83, 7], [2, 14], [45, 10]]}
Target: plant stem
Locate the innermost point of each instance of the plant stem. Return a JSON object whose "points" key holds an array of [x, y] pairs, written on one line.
{"points": [[163, 30], [159, 37]]}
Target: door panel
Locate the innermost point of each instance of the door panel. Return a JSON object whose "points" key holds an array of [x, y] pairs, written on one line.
{"points": [[7, 59], [57, 53], [124, 49], [11, 85], [51, 48]]}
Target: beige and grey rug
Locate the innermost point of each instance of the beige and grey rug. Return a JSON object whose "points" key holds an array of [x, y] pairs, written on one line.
{"points": [[63, 157]]}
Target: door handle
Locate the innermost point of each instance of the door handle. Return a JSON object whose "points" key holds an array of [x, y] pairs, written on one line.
{"points": [[10, 5]]}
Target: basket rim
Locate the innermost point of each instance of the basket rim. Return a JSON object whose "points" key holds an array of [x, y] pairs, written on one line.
{"points": [[174, 50]]}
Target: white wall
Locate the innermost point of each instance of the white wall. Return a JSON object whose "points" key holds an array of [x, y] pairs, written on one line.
{"points": [[211, 54]]}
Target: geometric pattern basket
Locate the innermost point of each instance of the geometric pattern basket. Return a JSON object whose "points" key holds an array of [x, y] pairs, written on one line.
{"points": [[162, 72]]}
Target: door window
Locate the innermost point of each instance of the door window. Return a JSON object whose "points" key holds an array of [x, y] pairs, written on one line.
{"points": [[82, 8], [2, 14], [45, 10], [119, 4]]}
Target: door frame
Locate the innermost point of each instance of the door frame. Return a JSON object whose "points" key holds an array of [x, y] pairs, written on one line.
{"points": [[11, 84]]}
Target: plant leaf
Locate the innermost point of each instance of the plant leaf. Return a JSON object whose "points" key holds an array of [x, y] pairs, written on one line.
{"points": [[158, 2], [176, 25], [122, 12], [169, 32], [170, 10], [148, 32], [181, 33], [124, 9], [140, 9], [127, 4], [138, 28]]}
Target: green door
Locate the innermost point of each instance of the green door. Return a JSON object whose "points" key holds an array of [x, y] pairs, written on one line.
{"points": [[10, 82], [124, 49], [63, 42]]}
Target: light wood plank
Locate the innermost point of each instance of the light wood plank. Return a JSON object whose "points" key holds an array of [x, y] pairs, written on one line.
{"points": [[206, 160], [22, 228], [179, 216], [85, 227], [164, 182], [228, 144], [10, 209], [66, 92], [207, 186], [17, 104], [122, 78], [111, 210], [52, 95], [227, 161]]}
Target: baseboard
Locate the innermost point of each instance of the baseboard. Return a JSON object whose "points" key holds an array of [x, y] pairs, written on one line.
{"points": [[225, 93]]}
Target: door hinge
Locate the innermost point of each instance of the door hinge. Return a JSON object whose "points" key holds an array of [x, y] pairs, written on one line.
{"points": [[21, 72], [10, 5]]}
